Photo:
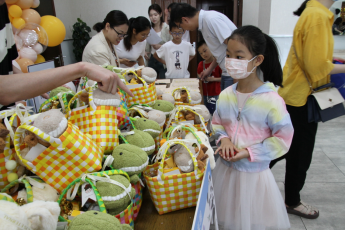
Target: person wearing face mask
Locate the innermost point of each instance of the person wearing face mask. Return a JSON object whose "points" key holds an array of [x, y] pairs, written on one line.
{"points": [[131, 49], [252, 128], [100, 50], [162, 29], [313, 45]]}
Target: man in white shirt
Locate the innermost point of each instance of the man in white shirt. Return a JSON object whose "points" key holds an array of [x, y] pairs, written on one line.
{"points": [[186, 36], [215, 28]]}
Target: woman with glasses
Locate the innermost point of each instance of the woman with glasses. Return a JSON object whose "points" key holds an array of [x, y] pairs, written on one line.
{"points": [[100, 49], [162, 29], [131, 49]]}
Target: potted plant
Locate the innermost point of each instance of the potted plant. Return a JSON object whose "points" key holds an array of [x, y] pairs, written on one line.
{"points": [[80, 38]]}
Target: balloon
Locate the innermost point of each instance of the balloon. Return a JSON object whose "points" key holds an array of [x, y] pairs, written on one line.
{"points": [[18, 23], [11, 1], [11, 18], [55, 29], [35, 4], [28, 53], [29, 37], [40, 59], [38, 48], [24, 63], [25, 4], [33, 36], [15, 11], [18, 41], [30, 15]]}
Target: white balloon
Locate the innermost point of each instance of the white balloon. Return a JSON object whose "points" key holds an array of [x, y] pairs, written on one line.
{"points": [[29, 37], [35, 4], [19, 42], [38, 48], [28, 53]]}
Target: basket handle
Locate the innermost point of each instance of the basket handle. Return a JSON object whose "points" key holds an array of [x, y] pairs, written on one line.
{"points": [[135, 74], [183, 128], [30, 197], [60, 96], [162, 154], [179, 89], [91, 102]]}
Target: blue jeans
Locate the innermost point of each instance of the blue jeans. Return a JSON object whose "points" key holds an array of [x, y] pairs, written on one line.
{"points": [[210, 104], [157, 66], [226, 82]]}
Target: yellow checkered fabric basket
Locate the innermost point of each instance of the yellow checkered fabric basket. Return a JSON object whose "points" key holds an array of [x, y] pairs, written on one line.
{"points": [[98, 121], [174, 192], [176, 116], [143, 95], [176, 94], [67, 158]]}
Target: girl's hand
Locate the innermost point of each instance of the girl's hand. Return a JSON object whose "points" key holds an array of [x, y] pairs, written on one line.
{"points": [[127, 62], [146, 56], [226, 149], [209, 79], [241, 153]]}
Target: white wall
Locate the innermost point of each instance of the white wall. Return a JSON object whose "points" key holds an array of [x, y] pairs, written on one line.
{"points": [[91, 12], [264, 16], [282, 19], [250, 12]]}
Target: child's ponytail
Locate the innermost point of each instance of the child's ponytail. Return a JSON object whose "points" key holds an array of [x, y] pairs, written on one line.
{"points": [[259, 43]]}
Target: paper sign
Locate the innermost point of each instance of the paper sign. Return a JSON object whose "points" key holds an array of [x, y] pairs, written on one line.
{"points": [[205, 213], [87, 193], [153, 39]]}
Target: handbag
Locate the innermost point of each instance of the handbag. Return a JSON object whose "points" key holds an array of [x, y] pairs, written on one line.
{"points": [[325, 105]]}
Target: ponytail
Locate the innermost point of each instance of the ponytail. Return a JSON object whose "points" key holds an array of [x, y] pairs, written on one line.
{"points": [[114, 18], [139, 24], [300, 10], [259, 43]]}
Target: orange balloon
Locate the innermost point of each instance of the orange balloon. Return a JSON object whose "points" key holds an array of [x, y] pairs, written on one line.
{"points": [[30, 15], [11, 1], [25, 4], [24, 63]]}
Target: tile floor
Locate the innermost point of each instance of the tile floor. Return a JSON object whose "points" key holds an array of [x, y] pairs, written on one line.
{"points": [[325, 184]]}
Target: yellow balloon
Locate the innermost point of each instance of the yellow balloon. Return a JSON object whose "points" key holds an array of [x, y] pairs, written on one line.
{"points": [[54, 28], [40, 59], [11, 1], [11, 18], [18, 23], [15, 11]]}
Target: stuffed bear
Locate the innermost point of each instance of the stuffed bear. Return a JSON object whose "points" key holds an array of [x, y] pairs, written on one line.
{"points": [[115, 198], [159, 93], [131, 159], [201, 158], [189, 115], [3, 133], [47, 193], [184, 96], [38, 215], [142, 140], [182, 158], [94, 220]]}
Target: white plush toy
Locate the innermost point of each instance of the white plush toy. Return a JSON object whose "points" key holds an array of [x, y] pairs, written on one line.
{"points": [[41, 191], [168, 97], [204, 140], [196, 97], [38, 215], [148, 74], [203, 111], [159, 93]]}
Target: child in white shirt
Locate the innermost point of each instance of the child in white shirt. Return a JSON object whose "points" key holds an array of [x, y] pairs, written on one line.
{"points": [[176, 54]]}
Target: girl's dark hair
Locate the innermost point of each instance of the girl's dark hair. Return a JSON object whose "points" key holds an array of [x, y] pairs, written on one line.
{"points": [[158, 9], [114, 18], [139, 24], [300, 10], [258, 43]]}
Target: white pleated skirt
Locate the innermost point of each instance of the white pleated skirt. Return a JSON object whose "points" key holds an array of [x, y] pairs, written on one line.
{"points": [[248, 201]]}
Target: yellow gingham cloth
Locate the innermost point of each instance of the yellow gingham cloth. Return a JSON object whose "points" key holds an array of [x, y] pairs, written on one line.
{"points": [[68, 157]]}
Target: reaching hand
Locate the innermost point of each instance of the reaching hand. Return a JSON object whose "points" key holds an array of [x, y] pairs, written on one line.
{"points": [[204, 74], [108, 81]]}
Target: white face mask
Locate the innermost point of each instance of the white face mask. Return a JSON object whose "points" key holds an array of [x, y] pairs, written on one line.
{"points": [[237, 68]]}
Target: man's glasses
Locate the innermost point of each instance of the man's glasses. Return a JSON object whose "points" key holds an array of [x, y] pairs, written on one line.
{"points": [[120, 34]]}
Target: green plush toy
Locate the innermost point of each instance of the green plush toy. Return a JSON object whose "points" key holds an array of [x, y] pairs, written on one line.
{"points": [[131, 159], [146, 125], [60, 89], [164, 106], [115, 198], [142, 140], [93, 220]]}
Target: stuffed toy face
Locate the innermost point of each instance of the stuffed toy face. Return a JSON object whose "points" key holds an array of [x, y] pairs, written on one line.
{"points": [[182, 158], [163, 106], [102, 98], [159, 93], [94, 220], [148, 74], [130, 158], [157, 116], [149, 126], [142, 140], [52, 122], [189, 115], [115, 197], [184, 96], [203, 111]]}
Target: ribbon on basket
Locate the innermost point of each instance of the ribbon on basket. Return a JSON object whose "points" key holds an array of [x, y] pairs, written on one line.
{"points": [[32, 181], [72, 192]]}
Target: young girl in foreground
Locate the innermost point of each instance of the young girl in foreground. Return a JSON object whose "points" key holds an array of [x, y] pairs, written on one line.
{"points": [[254, 128]]}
